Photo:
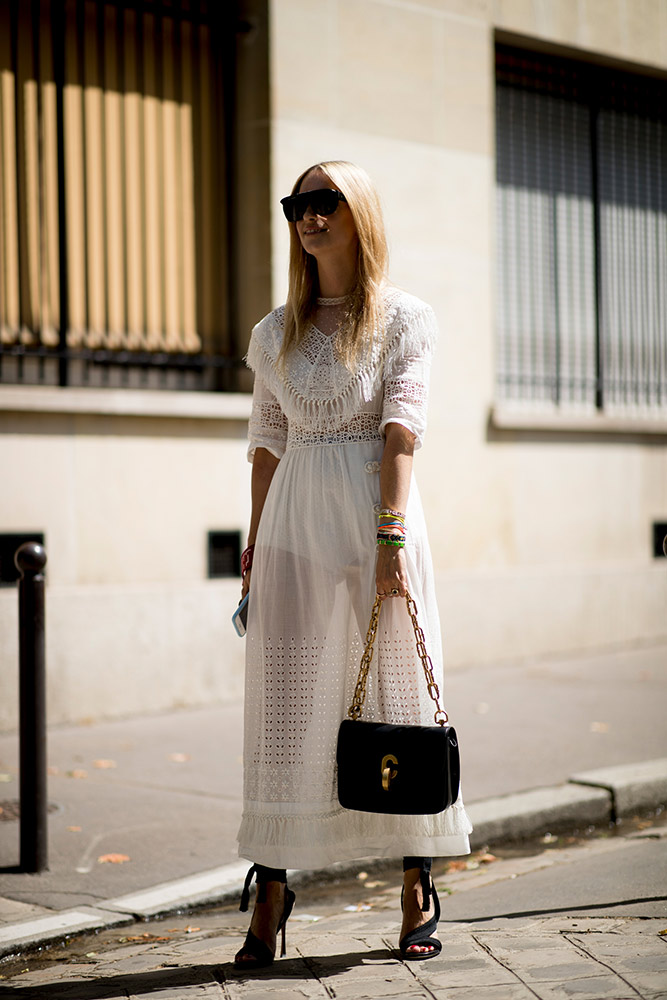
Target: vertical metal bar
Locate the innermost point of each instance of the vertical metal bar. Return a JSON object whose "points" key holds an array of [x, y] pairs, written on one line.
{"points": [[58, 36], [597, 249], [224, 41], [100, 28], [36, 25], [19, 167], [30, 560]]}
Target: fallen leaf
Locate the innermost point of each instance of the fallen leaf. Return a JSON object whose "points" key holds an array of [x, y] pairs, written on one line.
{"points": [[358, 908], [599, 727], [114, 859], [471, 866], [104, 764], [77, 773], [663, 932], [375, 885], [549, 838], [191, 930], [92, 954], [179, 758], [74, 829], [487, 859], [457, 866], [146, 937], [362, 875]]}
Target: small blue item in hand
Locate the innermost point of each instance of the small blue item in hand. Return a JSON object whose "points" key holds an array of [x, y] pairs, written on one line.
{"points": [[240, 616]]}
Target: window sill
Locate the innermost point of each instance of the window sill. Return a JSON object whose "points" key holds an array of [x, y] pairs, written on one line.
{"points": [[126, 402], [518, 418]]}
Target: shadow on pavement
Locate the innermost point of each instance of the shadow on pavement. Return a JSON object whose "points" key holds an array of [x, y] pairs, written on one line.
{"points": [[585, 907], [145, 983]]}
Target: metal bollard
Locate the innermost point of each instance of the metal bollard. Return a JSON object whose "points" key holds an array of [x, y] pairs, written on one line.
{"points": [[30, 560]]}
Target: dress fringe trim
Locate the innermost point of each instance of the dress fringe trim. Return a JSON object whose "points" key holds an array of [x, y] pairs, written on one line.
{"points": [[411, 331], [304, 841]]}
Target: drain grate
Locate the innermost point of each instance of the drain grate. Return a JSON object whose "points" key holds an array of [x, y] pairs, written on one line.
{"points": [[11, 810]]}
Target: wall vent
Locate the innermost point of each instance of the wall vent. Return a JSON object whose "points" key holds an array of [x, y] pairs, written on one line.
{"points": [[224, 554], [659, 539]]}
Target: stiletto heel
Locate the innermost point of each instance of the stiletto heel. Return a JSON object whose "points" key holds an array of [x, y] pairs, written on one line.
{"points": [[257, 953], [422, 935]]}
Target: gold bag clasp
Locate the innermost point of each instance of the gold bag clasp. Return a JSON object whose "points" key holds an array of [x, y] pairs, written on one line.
{"points": [[388, 773]]}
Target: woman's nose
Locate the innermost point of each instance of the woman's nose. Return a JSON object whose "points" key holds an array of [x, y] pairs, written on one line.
{"points": [[309, 213]]}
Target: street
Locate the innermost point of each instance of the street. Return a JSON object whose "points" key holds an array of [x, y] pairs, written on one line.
{"points": [[556, 919]]}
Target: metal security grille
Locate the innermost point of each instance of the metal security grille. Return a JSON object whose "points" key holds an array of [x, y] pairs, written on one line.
{"points": [[581, 235], [114, 221]]}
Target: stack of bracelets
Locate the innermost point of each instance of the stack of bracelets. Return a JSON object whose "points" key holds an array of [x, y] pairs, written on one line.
{"points": [[391, 528]]}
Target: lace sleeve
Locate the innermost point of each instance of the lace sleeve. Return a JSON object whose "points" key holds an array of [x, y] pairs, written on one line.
{"points": [[406, 375], [268, 424]]}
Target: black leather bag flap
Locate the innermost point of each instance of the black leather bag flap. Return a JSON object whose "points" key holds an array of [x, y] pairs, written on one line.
{"points": [[407, 770]]}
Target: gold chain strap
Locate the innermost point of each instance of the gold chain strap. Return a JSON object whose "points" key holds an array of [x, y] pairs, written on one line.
{"points": [[357, 705]]}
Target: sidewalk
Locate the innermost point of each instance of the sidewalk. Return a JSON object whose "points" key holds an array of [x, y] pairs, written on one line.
{"points": [[164, 792], [578, 920]]}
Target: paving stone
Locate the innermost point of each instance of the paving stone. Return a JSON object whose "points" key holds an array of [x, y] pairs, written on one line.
{"points": [[603, 987], [461, 972], [539, 959], [197, 992], [643, 963], [506, 992]]}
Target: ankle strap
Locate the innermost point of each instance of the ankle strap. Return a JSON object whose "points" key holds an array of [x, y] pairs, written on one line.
{"points": [[425, 879], [264, 875]]}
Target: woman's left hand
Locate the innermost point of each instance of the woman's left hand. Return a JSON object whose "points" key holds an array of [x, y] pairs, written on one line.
{"points": [[390, 571]]}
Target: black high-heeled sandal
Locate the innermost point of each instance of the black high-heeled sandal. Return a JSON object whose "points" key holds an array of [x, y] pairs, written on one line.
{"points": [[421, 936], [259, 952]]}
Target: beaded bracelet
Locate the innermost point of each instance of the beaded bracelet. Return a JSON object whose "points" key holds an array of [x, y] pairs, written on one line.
{"points": [[395, 513], [390, 538], [386, 541]]}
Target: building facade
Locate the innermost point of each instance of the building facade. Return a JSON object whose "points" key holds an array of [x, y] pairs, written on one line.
{"points": [[520, 148]]}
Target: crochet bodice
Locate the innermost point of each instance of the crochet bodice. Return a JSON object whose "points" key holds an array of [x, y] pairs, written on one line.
{"points": [[316, 399]]}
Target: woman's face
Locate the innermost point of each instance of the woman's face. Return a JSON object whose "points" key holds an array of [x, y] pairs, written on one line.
{"points": [[326, 235]]}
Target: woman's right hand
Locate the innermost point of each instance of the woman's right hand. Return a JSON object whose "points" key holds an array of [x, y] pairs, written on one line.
{"points": [[245, 586]]}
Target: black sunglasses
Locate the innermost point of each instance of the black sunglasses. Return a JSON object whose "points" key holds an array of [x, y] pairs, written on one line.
{"points": [[324, 201]]}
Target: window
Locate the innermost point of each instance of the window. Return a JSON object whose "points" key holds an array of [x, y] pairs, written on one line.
{"points": [[114, 153], [581, 235]]}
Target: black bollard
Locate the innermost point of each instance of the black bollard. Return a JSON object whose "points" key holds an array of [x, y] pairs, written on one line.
{"points": [[30, 560]]}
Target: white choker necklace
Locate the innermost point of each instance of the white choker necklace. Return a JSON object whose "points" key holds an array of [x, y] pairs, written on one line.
{"points": [[332, 302]]}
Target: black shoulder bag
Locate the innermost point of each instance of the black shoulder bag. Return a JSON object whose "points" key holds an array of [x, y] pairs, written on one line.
{"points": [[382, 768]]}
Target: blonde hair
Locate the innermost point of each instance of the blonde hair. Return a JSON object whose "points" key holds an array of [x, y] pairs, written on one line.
{"points": [[365, 315]]}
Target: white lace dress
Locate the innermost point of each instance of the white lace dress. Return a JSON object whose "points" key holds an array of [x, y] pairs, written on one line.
{"points": [[313, 586]]}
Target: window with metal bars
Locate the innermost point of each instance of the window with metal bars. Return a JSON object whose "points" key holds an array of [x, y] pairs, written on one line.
{"points": [[115, 193], [581, 194]]}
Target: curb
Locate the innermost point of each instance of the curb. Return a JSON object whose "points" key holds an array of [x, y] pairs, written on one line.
{"points": [[592, 798]]}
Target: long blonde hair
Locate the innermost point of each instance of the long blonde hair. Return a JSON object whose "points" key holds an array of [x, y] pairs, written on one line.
{"points": [[365, 315]]}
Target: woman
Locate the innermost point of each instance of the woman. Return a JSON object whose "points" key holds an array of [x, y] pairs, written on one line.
{"points": [[339, 404]]}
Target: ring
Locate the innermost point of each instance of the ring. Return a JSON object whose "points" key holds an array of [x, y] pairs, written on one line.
{"points": [[394, 591]]}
